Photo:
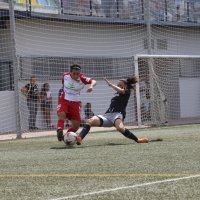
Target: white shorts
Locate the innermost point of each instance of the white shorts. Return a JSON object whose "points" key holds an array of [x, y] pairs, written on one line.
{"points": [[109, 119]]}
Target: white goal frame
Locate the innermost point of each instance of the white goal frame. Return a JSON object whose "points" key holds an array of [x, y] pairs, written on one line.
{"points": [[136, 57]]}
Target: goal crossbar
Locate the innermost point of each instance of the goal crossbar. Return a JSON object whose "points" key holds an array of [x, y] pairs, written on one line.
{"points": [[166, 56]]}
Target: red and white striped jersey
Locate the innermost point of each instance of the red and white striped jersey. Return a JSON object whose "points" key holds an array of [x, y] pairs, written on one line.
{"points": [[72, 88]]}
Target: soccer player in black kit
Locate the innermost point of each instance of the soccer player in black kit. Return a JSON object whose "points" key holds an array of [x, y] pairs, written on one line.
{"points": [[116, 113]]}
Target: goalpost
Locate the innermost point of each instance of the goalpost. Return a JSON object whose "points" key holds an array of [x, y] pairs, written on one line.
{"points": [[172, 82]]}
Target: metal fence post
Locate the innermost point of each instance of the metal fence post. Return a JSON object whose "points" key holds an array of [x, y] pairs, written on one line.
{"points": [[15, 67]]}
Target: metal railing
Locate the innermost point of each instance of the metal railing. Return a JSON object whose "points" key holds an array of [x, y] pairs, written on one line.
{"points": [[186, 11]]}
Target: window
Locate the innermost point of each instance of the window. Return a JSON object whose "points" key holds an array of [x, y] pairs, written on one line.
{"points": [[6, 76], [146, 43], [162, 44]]}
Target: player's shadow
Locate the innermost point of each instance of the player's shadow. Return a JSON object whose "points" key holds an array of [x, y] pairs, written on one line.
{"points": [[64, 147], [88, 146]]}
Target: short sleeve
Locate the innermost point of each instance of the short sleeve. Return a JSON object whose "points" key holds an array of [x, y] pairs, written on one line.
{"points": [[86, 80]]}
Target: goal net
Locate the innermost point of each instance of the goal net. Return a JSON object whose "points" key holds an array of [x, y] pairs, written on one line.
{"points": [[50, 69], [168, 89]]}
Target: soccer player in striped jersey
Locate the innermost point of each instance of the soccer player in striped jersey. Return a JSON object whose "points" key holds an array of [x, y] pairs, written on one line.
{"points": [[116, 113], [69, 102]]}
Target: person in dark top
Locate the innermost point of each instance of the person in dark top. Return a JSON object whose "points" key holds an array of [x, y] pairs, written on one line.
{"points": [[88, 112], [31, 92], [116, 112]]}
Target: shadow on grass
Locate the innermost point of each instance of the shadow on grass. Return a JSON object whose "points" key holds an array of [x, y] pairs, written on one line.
{"points": [[87, 146], [103, 145]]}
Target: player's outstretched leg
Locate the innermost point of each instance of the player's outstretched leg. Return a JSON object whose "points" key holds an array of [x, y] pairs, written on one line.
{"points": [[142, 140], [120, 127], [83, 133], [131, 136]]}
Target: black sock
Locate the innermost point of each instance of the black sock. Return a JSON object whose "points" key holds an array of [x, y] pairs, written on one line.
{"points": [[84, 131], [130, 135]]}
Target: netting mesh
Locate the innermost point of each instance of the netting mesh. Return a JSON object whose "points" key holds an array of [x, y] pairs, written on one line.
{"points": [[103, 36], [172, 93], [50, 69]]}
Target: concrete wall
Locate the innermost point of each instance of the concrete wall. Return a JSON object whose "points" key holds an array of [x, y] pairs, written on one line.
{"points": [[190, 96], [7, 112], [181, 41], [39, 37]]}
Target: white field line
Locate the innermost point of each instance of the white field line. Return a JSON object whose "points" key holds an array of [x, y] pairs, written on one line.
{"points": [[126, 187]]}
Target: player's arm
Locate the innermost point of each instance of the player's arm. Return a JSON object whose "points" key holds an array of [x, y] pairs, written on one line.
{"points": [[93, 83], [87, 80], [118, 89]]}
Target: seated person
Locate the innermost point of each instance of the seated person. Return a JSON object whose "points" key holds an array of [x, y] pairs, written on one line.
{"points": [[88, 112]]}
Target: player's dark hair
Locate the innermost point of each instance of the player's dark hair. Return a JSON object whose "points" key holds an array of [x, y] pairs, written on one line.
{"points": [[75, 66], [130, 81], [88, 105]]}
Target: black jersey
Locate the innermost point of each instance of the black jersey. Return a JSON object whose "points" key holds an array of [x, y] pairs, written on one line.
{"points": [[119, 102], [32, 91]]}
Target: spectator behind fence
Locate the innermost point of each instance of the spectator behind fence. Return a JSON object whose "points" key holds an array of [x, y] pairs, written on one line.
{"points": [[31, 92], [83, 7], [196, 11], [96, 7], [168, 11], [108, 6], [161, 10], [130, 9], [66, 5], [197, 6], [179, 7], [46, 104], [88, 112]]}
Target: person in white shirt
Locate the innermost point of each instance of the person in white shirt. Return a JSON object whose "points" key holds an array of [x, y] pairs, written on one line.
{"points": [[68, 105], [46, 104], [96, 6]]}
